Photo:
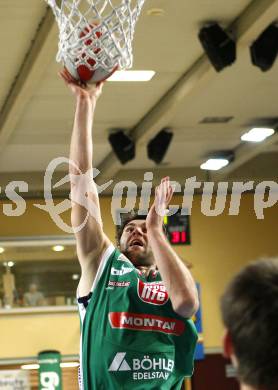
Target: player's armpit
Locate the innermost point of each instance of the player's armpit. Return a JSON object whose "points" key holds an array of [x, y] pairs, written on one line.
{"points": [[89, 267]]}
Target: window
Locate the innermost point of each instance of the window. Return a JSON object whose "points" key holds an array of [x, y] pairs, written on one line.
{"points": [[36, 272]]}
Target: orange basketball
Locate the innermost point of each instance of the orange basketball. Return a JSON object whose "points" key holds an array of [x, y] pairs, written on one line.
{"points": [[83, 72]]}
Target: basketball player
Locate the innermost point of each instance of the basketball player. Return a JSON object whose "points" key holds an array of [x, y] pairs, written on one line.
{"points": [[249, 310], [135, 301]]}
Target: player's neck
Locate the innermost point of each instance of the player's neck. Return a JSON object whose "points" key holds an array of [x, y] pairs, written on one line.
{"points": [[146, 269]]}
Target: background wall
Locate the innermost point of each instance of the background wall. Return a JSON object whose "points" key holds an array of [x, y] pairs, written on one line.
{"points": [[24, 335], [220, 247]]}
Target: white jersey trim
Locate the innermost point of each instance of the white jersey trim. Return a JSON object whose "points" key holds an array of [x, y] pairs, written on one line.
{"points": [[108, 252], [82, 309], [102, 265]]}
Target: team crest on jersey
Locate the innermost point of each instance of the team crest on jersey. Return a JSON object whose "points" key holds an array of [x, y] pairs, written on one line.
{"points": [[154, 293]]}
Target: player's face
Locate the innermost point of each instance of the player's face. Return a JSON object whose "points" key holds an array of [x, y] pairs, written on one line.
{"points": [[134, 243]]}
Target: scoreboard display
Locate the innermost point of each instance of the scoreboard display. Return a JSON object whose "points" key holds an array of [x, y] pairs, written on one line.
{"points": [[178, 229]]}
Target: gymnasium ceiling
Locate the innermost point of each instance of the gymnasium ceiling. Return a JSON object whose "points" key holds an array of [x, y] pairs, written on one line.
{"points": [[36, 109]]}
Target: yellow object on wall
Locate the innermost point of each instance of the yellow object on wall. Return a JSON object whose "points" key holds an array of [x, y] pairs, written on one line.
{"points": [[8, 287]]}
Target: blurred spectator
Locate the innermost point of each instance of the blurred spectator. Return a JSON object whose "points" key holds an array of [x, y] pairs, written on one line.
{"points": [[33, 297], [250, 313], [19, 297]]}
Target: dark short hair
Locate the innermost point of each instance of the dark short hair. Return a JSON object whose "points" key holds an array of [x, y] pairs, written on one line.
{"points": [[249, 309], [125, 219]]}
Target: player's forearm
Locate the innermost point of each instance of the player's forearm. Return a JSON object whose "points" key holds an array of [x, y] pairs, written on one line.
{"points": [[175, 275], [81, 148]]}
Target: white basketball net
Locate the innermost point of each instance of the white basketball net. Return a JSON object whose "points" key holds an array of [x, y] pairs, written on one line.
{"points": [[101, 30]]}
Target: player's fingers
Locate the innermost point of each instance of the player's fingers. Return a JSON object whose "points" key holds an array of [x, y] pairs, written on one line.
{"points": [[162, 196], [67, 73], [159, 199], [65, 79], [170, 194], [170, 189], [70, 79], [99, 89], [99, 85], [62, 75], [165, 186], [83, 85], [158, 194]]}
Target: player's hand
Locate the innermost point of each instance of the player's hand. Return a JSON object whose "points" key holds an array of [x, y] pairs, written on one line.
{"points": [[163, 196], [80, 89]]}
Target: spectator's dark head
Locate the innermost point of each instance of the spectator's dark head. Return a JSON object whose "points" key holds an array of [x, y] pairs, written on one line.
{"points": [[250, 313]]}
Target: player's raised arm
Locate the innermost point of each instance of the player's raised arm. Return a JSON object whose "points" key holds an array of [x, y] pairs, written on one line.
{"points": [[175, 275], [86, 217]]}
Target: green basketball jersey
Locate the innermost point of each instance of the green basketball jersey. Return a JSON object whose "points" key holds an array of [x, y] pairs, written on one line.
{"points": [[131, 337]]}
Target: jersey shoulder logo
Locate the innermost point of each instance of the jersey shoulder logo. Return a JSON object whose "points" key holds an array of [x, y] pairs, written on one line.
{"points": [[122, 271], [152, 292]]}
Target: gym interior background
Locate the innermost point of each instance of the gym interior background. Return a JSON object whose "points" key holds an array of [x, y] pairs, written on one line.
{"points": [[206, 110]]}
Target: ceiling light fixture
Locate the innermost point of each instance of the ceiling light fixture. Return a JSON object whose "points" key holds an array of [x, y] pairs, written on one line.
{"points": [[2, 250], [36, 366], [58, 248], [69, 364], [156, 12], [257, 134], [8, 264], [30, 367], [214, 164], [132, 75]]}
